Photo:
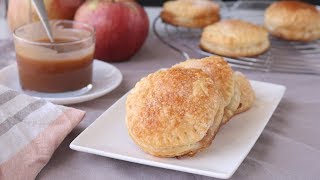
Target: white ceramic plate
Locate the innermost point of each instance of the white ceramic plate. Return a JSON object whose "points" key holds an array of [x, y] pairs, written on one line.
{"points": [[107, 136], [106, 77]]}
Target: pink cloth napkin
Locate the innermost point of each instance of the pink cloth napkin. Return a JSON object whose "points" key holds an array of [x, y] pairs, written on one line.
{"points": [[30, 131]]}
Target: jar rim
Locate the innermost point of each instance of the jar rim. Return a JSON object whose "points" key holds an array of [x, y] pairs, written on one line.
{"points": [[90, 36]]}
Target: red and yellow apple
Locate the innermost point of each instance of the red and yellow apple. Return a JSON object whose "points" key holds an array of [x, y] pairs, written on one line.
{"points": [[121, 27], [21, 11]]}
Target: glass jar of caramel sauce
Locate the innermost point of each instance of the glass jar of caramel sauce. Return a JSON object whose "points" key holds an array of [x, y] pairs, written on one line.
{"points": [[64, 65]]}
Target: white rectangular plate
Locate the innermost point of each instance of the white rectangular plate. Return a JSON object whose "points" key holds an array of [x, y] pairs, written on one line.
{"points": [[107, 136]]}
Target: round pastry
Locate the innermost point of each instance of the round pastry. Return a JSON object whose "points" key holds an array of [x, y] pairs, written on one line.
{"points": [[172, 112], [293, 20], [234, 38], [247, 95], [219, 71], [190, 13]]}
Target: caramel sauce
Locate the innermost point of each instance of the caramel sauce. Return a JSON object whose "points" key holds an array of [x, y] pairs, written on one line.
{"points": [[55, 75]]}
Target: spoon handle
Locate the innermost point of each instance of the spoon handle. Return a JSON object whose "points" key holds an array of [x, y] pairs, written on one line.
{"points": [[42, 13]]}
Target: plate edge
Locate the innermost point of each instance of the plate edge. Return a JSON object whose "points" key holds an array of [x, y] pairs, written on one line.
{"points": [[220, 175]]}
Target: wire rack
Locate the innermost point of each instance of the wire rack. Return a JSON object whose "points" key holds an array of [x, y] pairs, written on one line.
{"points": [[283, 56]]}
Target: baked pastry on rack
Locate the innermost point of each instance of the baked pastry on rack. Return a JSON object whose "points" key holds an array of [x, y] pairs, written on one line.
{"points": [[234, 38], [173, 112], [293, 20], [190, 13]]}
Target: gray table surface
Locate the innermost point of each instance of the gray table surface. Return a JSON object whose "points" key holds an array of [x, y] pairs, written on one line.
{"points": [[288, 148]]}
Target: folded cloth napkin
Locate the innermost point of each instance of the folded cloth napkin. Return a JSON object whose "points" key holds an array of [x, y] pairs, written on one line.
{"points": [[30, 131]]}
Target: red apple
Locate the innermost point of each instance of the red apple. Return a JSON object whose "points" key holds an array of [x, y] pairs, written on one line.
{"points": [[21, 11], [121, 27]]}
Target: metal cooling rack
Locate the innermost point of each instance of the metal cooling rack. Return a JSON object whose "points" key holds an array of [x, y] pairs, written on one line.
{"points": [[283, 56]]}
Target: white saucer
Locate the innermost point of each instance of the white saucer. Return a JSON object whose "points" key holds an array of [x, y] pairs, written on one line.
{"points": [[106, 77]]}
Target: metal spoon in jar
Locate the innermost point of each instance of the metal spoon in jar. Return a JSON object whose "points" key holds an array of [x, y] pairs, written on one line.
{"points": [[42, 13]]}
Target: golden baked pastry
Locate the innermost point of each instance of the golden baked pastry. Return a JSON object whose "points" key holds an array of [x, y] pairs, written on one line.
{"points": [[247, 96], [190, 13], [234, 38], [219, 71], [293, 20], [177, 112], [173, 112]]}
